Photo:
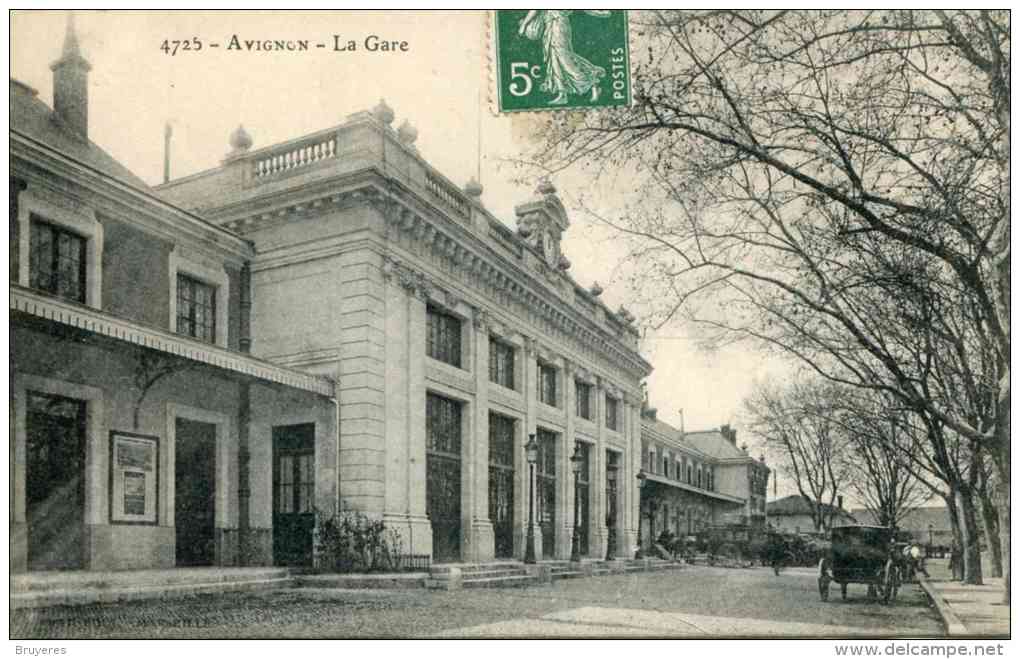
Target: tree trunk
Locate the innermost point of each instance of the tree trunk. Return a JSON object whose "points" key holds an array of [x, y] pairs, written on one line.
{"points": [[969, 532], [990, 525], [1001, 484], [954, 524]]}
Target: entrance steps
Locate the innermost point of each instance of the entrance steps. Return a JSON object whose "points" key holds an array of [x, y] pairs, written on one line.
{"points": [[69, 588], [452, 576]]}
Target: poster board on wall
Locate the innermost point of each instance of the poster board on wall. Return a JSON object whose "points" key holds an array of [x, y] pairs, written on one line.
{"points": [[134, 478]]}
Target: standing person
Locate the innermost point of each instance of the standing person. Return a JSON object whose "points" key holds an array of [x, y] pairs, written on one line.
{"points": [[566, 72], [955, 564]]}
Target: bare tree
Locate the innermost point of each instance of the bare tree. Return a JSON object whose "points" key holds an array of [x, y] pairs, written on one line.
{"points": [[798, 427], [796, 167], [881, 476]]}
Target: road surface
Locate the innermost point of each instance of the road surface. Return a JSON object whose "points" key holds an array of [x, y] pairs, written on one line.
{"points": [[693, 602]]}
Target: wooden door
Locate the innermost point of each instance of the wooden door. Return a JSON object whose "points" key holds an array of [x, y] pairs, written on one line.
{"points": [[293, 494]]}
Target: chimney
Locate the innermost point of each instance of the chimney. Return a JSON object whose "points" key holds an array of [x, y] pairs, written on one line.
{"points": [[729, 433], [71, 84]]}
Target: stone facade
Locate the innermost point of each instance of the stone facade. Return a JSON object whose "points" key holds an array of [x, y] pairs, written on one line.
{"points": [[358, 241]]}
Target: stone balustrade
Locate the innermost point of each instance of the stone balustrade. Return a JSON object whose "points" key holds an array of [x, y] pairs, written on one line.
{"points": [[292, 156], [447, 194]]}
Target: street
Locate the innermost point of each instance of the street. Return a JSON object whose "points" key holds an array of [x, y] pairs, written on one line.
{"points": [[694, 602]]}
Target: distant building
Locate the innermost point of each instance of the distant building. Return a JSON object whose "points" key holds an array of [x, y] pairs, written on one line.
{"points": [[793, 514], [698, 479], [925, 524]]}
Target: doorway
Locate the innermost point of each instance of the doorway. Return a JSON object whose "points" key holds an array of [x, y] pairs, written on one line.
{"points": [[584, 499], [195, 492], [55, 482], [293, 494], [545, 480], [501, 483], [442, 482]]}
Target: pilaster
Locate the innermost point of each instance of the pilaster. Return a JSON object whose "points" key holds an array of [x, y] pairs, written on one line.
{"points": [[629, 490], [597, 521], [525, 482], [481, 543], [404, 474], [564, 474]]}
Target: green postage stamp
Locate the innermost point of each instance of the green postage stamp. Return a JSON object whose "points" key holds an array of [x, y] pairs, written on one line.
{"points": [[548, 59]]}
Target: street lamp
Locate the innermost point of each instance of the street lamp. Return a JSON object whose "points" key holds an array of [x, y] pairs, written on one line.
{"points": [[576, 463], [611, 474], [931, 536], [531, 451], [641, 485]]}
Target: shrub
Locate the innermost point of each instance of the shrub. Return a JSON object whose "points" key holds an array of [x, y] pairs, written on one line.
{"points": [[351, 542]]}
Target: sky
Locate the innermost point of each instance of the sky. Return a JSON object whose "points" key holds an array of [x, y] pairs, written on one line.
{"points": [[439, 85]]}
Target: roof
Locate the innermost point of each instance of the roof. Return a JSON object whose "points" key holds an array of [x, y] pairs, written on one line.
{"points": [[796, 504], [32, 117], [714, 444], [915, 520]]}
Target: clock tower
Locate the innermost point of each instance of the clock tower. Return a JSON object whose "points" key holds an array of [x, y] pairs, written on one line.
{"points": [[541, 222]]}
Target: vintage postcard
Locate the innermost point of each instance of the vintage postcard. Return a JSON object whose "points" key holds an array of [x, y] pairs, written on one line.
{"points": [[511, 324]]}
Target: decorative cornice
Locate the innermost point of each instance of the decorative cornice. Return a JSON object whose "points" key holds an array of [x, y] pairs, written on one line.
{"points": [[445, 243]]}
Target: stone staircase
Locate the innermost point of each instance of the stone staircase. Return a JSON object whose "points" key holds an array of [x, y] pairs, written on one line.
{"points": [[39, 589], [452, 576]]}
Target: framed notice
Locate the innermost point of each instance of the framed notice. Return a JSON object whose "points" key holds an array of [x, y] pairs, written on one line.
{"points": [[134, 478]]}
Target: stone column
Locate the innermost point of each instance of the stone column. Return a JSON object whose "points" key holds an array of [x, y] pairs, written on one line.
{"points": [[564, 472], [597, 520], [481, 543], [525, 484], [628, 477]]}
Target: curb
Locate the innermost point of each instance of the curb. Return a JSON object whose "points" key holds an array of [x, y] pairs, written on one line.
{"points": [[954, 626]]}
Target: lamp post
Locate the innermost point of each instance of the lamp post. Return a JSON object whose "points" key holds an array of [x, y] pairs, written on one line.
{"points": [[576, 463], [531, 451], [641, 485], [931, 536], [611, 470]]}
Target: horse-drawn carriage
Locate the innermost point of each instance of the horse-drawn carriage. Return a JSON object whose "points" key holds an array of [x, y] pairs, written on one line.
{"points": [[865, 555]]}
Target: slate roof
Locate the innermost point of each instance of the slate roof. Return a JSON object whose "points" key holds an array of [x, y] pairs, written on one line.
{"points": [[33, 118]]}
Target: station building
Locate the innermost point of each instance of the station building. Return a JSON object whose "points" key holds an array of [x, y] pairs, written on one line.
{"points": [[452, 338], [694, 480]]}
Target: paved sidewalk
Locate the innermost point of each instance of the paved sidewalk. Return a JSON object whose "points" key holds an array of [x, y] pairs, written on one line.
{"points": [[967, 610]]}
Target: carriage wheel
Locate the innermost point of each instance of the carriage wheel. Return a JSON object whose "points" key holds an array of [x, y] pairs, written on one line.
{"points": [[890, 582], [823, 580]]}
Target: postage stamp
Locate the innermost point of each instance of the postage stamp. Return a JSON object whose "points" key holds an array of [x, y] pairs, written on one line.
{"points": [[551, 59]]}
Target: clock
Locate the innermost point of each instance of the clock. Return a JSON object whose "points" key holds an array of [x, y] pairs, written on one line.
{"points": [[549, 250]]}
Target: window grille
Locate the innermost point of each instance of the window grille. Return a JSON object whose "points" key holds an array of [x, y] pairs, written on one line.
{"points": [[612, 413], [547, 384], [442, 425], [501, 363], [444, 332], [583, 399]]}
